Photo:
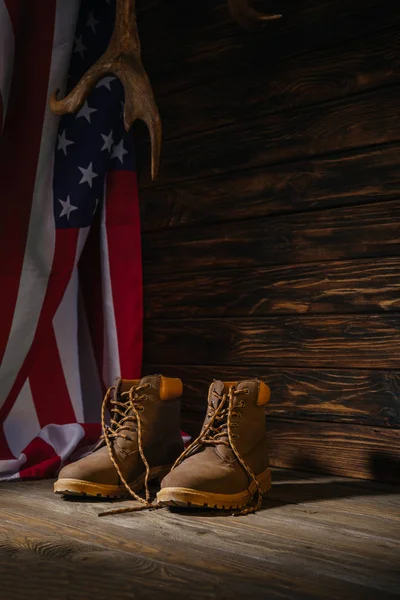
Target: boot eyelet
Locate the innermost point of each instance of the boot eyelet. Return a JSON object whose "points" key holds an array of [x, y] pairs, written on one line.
{"points": [[235, 436], [246, 390], [242, 404], [140, 408]]}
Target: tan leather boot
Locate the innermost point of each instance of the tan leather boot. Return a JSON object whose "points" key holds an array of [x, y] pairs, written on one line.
{"points": [[227, 465], [141, 443]]}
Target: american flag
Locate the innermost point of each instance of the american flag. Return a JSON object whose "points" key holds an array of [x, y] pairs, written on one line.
{"points": [[70, 274]]}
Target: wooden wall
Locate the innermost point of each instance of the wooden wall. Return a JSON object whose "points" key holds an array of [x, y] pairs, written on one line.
{"points": [[271, 239]]}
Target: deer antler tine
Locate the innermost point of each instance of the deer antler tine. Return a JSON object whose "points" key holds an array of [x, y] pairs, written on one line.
{"points": [[154, 126], [76, 98], [140, 104], [246, 15], [122, 58]]}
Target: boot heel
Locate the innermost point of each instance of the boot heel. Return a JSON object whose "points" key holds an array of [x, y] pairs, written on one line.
{"points": [[264, 481]]}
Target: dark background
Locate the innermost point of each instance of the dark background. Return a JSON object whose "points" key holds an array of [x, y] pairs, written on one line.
{"points": [[271, 239]]}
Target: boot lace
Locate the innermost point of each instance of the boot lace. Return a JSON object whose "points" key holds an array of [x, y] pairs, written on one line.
{"points": [[219, 430], [121, 412]]}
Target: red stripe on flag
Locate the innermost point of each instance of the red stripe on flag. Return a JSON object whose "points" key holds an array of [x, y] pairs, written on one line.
{"points": [[46, 469], [62, 268], [20, 145], [37, 451], [91, 288], [42, 460], [125, 258], [15, 10], [92, 434]]}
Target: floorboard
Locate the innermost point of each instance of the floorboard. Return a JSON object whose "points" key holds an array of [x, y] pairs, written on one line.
{"points": [[316, 537]]}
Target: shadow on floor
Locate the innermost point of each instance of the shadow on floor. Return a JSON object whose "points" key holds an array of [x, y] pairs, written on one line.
{"points": [[307, 484]]}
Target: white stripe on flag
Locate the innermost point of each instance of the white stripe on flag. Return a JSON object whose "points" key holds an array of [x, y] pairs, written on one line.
{"points": [[63, 438], [7, 47], [111, 362], [9, 469], [24, 412], [65, 324], [39, 250]]}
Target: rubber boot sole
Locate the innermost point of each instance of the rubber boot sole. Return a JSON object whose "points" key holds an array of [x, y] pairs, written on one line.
{"points": [[80, 487], [186, 497]]}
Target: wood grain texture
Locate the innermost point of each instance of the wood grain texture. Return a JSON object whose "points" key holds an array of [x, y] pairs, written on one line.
{"points": [[359, 341], [354, 396], [347, 450], [202, 43], [341, 180], [271, 237], [334, 234], [303, 544], [354, 286], [369, 119], [332, 73], [351, 451]]}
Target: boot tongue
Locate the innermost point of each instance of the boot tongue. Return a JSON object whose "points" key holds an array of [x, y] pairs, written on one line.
{"points": [[126, 385], [123, 386], [214, 400], [218, 387]]}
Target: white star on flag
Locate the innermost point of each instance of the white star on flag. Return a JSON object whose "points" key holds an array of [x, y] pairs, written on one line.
{"points": [[108, 141], [119, 151], [92, 22], [86, 112], [63, 143], [88, 175], [106, 82], [79, 46], [67, 207]]}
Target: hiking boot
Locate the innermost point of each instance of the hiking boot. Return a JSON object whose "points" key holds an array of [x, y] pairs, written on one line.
{"points": [[227, 465], [141, 443]]}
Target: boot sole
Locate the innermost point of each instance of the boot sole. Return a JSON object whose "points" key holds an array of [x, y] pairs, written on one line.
{"points": [[80, 487], [187, 498]]}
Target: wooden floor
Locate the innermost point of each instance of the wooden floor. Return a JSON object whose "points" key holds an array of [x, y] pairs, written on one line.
{"points": [[316, 537]]}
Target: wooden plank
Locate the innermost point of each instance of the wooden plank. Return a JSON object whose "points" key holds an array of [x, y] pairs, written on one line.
{"points": [[352, 286], [265, 87], [351, 451], [354, 396], [340, 180], [347, 450], [355, 122], [359, 341], [305, 543], [329, 235], [202, 43], [29, 563]]}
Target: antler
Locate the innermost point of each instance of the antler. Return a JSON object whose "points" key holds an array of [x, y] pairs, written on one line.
{"points": [[247, 16], [123, 59]]}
